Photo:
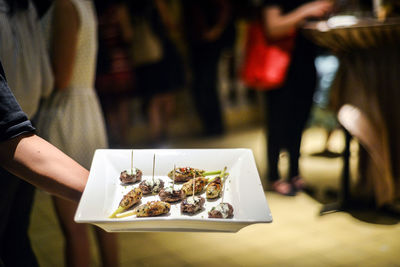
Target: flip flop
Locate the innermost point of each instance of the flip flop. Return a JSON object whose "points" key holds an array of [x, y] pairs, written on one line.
{"points": [[283, 188], [298, 183]]}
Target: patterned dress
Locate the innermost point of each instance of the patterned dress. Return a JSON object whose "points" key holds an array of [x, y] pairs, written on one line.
{"points": [[72, 119]]}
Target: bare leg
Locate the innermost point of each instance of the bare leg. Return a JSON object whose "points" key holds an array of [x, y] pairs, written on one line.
{"points": [[77, 245], [108, 245]]}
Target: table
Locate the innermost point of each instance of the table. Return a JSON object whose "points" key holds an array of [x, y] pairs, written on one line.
{"points": [[365, 95]]}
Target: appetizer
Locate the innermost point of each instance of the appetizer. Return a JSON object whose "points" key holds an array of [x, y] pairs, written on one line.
{"points": [[222, 210], [199, 185], [134, 176], [152, 208], [184, 174], [130, 178], [214, 188], [151, 186], [191, 205], [171, 195], [129, 200]]}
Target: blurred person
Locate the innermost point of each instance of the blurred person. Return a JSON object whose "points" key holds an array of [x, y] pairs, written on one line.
{"points": [[115, 77], [34, 160], [322, 115], [209, 29], [27, 66], [158, 64], [288, 107], [71, 117]]}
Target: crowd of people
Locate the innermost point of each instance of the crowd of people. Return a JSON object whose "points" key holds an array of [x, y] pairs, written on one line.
{"points": [[151, 50], [68, 61]]}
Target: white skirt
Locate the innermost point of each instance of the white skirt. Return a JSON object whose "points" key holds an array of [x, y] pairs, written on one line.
{"points": [[72, 120]]}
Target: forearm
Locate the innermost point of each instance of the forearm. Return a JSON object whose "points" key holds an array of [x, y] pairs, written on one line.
{"points": [[43, 165], [278, 25], [226, 13], [164, 14], [218, 28], [125, 23]]}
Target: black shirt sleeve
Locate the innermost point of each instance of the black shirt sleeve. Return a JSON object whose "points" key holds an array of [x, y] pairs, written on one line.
{"points": [[272, 3], [13, 121], [286, 5]]}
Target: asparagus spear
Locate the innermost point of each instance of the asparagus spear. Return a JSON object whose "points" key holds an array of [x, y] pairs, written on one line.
{"points": [[223, 174], [184, 174]]}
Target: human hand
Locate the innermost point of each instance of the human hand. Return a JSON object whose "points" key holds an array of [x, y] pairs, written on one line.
{"points": [[316, 9], [212, 34]]}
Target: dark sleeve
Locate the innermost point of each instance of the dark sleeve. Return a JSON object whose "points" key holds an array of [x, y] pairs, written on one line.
{"points": [[13, 121], [285, 5], [272, 3]]}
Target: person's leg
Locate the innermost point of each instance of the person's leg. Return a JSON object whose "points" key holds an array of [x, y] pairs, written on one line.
{"points": [[294, 153], [198, 84], [300, 108], [16, 245], [273, 148], [205, 91], [212, 105], [77, 244], [108, 245], [276, 111]]}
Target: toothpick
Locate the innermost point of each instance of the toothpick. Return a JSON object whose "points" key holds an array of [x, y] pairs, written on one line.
{"points": [[154, 163], [132, 163], [194, 184], [223, 184], [173, 178]]}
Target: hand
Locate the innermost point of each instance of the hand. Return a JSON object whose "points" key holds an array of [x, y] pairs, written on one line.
{"points": [[213, 34], [316, 9]]}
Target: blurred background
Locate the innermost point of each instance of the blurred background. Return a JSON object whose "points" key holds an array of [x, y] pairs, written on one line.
{"points": [[164, 80]]}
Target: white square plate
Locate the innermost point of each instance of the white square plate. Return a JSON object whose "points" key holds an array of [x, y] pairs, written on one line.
{"points": [[104, 190]]}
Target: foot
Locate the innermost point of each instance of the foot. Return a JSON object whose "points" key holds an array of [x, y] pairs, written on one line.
{"points": [[298, 183], [283, 188]]}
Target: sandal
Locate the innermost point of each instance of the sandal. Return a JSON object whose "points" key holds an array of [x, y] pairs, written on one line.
{"points": [[298, 183], [283, 188]]}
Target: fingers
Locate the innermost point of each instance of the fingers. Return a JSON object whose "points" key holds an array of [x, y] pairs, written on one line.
{"points": [[318, 8]]}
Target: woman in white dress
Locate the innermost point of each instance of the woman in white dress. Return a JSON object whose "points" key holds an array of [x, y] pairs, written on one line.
{"points": [[71, 118]]}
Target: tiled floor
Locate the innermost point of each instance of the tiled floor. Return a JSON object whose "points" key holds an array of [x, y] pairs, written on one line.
{"points": [[297, 237]]}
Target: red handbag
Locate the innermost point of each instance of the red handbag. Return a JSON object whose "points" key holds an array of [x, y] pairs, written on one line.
{"points": [[265, 63]]}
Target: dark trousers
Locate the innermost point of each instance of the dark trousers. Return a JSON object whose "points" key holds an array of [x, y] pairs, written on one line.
{"points": [[204, 61], [288, 109], [16, 202]]}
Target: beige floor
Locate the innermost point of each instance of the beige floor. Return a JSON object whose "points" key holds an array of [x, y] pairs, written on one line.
{"points": [[298, 236]]}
